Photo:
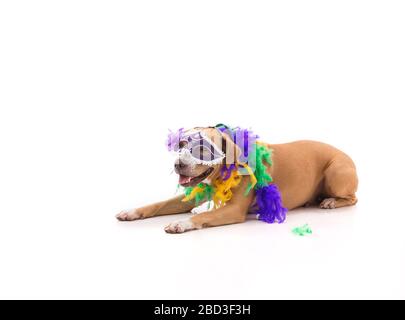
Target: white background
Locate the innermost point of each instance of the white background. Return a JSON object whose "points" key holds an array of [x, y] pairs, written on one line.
{"points": [[88, 90]]}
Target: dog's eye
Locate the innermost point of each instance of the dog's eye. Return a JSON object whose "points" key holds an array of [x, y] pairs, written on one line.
{"points": [[203, 151], [198, 151]]}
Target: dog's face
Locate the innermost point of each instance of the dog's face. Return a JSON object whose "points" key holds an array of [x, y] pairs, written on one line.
{"points": [[201, 154], [191, 175]]}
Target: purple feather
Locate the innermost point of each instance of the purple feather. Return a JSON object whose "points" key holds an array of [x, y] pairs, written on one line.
{"points": [[227, 171], [270, 205], [173, 139]]}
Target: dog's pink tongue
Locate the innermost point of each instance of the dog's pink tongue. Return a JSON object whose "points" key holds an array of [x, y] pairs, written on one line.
{"points": [[184, 179]]}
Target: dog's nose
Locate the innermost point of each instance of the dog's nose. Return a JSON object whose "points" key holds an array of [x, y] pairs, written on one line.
{"points": [[179, 165]]}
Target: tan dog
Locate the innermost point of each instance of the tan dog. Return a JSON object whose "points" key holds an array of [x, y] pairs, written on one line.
{"points": [[306, 173]]}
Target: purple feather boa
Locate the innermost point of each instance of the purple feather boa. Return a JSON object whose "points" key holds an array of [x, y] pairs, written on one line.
{"points": [[270, 205]]}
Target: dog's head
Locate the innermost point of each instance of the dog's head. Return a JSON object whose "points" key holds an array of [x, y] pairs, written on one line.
{"points": [[201, 152]]}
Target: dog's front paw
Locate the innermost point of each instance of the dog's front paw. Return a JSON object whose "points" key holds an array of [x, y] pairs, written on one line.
{"points": [[180, 226], [129, 215]]}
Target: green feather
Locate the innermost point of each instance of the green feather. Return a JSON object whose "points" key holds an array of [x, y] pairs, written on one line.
{"points": [[205, 195], [263, 156], [302, 231]]}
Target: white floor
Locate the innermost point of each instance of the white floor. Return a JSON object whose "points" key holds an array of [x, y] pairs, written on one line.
{"points": [[352, 253]]}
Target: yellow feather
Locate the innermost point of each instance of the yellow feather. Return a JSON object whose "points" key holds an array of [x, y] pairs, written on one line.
{"points": [[223, 192], [193, 193], [251, 173]]}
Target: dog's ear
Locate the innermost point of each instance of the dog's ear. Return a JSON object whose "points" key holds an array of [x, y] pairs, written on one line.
{"points": [[230, 148], [224, 142]]}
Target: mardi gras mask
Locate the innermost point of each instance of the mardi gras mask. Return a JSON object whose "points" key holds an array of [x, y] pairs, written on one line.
{"points": [[194, 147]]}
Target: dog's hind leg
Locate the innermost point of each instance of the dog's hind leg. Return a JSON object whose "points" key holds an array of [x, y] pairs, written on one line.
{"points": [[171, 206], [340, 183]]}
